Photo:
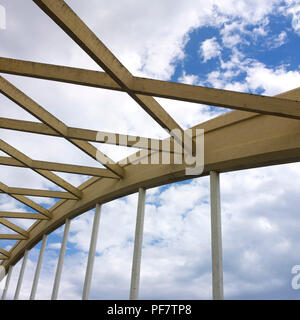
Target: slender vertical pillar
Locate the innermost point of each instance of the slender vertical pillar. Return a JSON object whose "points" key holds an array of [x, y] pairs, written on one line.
{"points": [[7, 282], [60, 261], [92, 251], [38, 268], [138, 242], [21, 275], [216, 237]]}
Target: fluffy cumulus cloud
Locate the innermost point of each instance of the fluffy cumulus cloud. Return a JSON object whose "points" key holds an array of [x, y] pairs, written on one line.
{"points": [[258, 77], [259, 206], [271, 81], [294, 11], [210, 49], [279, 40]]}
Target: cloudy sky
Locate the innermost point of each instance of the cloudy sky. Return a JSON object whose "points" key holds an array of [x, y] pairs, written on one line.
{"points": [[250, 46]]}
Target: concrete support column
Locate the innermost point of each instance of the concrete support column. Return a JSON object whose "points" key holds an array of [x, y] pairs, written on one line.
{"points": [[137, 254], [92, 251], [60, 260], [38, 268], [7, 282], [21, 275], [216, 237]]}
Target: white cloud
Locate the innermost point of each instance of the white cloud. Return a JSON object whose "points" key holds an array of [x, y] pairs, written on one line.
{"points": [[55, 245], [188, 78], [231, 33], [294, 11], [261, 29], [272, 81], [282, 38], [256, 76], [251, 12], [209, 49], [279, 40]]}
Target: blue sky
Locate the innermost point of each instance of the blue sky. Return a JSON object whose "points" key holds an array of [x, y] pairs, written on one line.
{"points": [[249, 46]]}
